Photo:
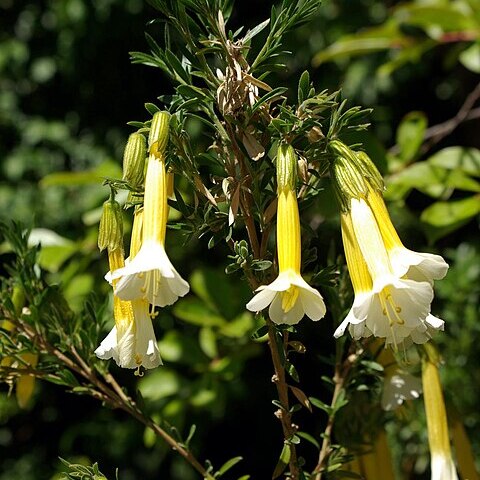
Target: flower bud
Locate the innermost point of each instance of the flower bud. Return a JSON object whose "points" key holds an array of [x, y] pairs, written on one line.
{"points": [[110, 232], [134, 160], [286, 168], [352, 173], [158, 137]]}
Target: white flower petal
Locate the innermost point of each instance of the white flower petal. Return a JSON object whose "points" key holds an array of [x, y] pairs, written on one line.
{"points": [[442, 467], [150, 276], [417, 265], [279, 316], [261, 300], [108, 346], [313, 304]]}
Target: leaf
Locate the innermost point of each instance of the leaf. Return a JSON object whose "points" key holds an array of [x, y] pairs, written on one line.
{"points": [[470, 58], [283, 461], [208, 342], [410, 135], [196, 312], [255, 31], [321, 405], [303, 86], [309, 438], [301, 397], [443, 214], [159, 384], [228, 465], [458, 158], [275, 94], [108, 168], [261, 332]]}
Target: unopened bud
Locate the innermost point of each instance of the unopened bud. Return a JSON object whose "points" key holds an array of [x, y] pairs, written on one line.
{"points": [[351, 174], [110, 232], [134, 160], [158, 137], [286, 168]]}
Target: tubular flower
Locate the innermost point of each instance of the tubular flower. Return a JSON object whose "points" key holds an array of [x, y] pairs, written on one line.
{"points": [[131, 342], [442, 465], [289, 295], [149, 274], [392, 284], [385, 305]]}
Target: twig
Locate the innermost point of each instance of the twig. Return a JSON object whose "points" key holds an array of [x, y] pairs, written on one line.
{"points": [[341, 373], [436, 133], [283, 414]]}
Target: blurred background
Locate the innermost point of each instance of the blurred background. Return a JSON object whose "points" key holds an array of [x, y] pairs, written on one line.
{"points": [[67, 91]]}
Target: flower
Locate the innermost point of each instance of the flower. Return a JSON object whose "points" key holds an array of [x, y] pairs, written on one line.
{"points": [[289, 295], [134, 345], [442, 465], [290, 298], [131, 342], [149, 274], [386, 304], [415, 265]]}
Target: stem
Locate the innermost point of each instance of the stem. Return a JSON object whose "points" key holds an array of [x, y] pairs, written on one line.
{"points": [[341, 372], [283, 414], [325, 451], [110, 392]]}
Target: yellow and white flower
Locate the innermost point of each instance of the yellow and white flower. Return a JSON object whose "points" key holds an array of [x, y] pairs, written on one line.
{"points": [[289, 295], [418, 266], [131, 342], [150, 275], [385, 305], [134, 345]]}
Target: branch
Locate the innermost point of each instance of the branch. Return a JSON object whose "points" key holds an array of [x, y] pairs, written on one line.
{"points": [[283, 414], [341, 373]]}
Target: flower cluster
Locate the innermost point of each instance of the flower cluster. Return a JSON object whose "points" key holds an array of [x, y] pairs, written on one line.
{"points": [[393, 285], [147, 279]]}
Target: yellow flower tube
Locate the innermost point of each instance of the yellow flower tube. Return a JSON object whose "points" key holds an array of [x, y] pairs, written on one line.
{"points": [[289, 296]]}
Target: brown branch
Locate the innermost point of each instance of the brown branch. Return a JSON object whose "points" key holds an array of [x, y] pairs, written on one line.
{"points": [[110, 392], [341, 373], [283, 414], [436, 133]]}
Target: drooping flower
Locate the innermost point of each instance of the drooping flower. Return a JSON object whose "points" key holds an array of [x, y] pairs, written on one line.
{"points": [[289, 295], [393, 285], [149, 274], [441, 464], [131, 342]]}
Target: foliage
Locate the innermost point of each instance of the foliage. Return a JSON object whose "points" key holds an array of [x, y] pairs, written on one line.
{"points": [[231, 97]]}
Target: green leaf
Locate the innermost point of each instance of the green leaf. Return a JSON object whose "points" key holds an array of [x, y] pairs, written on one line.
{"points": [[260, 333], [458, 158], [255, 31], [208, 342], [175, 347], [470, 58], [443, 214], [303, 86], [309, 438], [195, 311], [228, 465], [283, 461], [160, 383], [106, 169], [410, 135]]}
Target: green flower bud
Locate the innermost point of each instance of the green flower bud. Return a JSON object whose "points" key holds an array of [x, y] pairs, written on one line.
{"points": [[352, 173], [110, 232], [158, 137], [134, 160], [286, 168]]}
